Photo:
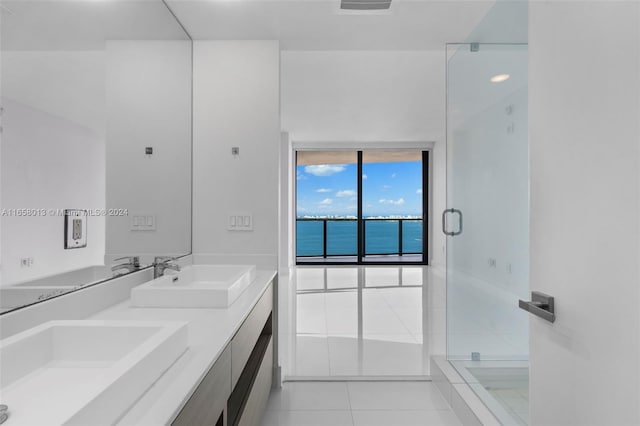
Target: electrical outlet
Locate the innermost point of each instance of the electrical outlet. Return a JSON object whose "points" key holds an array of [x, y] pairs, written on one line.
{"points": [[492, 262], [75, 228], [26, 262]]}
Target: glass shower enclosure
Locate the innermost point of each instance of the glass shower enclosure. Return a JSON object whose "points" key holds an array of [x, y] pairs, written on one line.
{"points": [[487, 223]]}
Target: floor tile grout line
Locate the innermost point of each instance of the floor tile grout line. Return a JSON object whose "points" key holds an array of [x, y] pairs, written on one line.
{"points": [[352, 412], [419, 410], [386, 302], [397, 316], [353, 420]]}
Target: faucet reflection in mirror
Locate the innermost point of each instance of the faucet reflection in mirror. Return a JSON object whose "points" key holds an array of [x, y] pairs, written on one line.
{"points": [[161, 263], [132, 264]]}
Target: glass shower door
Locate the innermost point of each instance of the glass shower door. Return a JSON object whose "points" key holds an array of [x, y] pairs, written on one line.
{"points": [[487, 223]]}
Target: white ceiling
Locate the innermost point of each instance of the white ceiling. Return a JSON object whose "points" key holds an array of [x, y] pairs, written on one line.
{"points": [[83, 25], [298, 24], [320, 25]]}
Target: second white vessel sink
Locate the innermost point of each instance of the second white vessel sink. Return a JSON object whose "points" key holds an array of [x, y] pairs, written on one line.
{"points": [[84, 372], [196, 286]]}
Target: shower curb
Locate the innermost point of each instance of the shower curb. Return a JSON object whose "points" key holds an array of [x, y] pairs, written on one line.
{"points": [[466, 405]]}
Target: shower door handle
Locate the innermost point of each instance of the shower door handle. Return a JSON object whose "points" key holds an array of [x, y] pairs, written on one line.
{"points": [[541, 305], [444, 222]]}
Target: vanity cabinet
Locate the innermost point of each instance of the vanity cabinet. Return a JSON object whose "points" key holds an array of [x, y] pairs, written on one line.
{"points": [[235, 390], [244, 341], [209, 400], [256, 402]]}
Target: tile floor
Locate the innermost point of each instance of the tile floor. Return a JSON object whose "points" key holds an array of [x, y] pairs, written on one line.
{"points": [[362, 321], [358, 404]]}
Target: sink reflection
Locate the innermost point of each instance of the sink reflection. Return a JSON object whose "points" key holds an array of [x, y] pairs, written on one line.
{"points": [[28, 292]]}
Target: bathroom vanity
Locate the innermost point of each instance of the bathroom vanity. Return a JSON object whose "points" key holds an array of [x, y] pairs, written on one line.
{"points": [[218, 370], [226, 373]]}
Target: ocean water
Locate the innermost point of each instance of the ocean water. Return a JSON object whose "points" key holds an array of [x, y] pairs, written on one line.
{"points": [[381, 237]]}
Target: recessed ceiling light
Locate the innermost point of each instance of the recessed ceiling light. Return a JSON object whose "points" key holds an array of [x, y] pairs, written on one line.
{"points": [[499, 78]]}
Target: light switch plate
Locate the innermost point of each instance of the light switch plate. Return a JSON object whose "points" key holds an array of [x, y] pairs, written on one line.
{"points": [[143, 222], [75, 229], [240, 221]]}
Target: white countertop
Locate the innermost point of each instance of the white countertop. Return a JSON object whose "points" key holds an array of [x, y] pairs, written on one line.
{"points": [[210, 330]]}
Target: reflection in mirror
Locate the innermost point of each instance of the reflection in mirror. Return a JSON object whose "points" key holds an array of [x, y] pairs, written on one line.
{"points": [[96, 143]]}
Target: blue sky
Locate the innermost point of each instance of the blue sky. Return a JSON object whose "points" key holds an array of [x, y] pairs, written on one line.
{"points": [[388, 188]]}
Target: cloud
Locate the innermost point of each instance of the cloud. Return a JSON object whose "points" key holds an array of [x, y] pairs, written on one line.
{"points": [[346, 193], [300, 176], [326, 201], [393, 175], [323, 190], [385, 187], [325, 169], [364, 177], [398, 202], [419, 191]]}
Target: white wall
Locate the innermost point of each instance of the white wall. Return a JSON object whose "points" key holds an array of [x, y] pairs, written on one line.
{"points": [[584, 114], [65, 84], [363, 96], [438, 202], [149, 104], [52, 158], [286, 198], [236, 104]]}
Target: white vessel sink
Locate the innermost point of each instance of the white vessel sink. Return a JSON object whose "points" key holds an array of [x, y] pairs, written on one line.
{"points": [[197, 286], [84, 372]]}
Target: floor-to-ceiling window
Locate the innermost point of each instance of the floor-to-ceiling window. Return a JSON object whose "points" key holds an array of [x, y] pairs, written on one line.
{"points": [[361, 207], [359, 295]]}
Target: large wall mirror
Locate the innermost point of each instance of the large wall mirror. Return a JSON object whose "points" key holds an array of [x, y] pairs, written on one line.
{"points": [[95, 144]]}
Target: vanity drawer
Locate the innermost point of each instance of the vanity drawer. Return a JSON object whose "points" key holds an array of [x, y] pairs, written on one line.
{"points": [[257, 401], [210, 398], [245, 339]]}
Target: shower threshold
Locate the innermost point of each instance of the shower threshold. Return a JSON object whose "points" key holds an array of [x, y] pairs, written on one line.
{"points": [[503, 386]]}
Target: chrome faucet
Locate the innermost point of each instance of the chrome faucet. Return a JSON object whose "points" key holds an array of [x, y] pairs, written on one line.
{"points": [[161, 263], [132, 264]]}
